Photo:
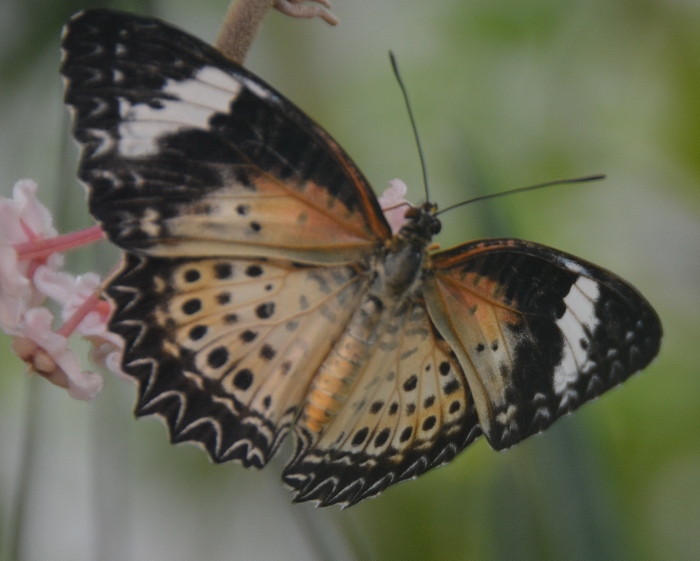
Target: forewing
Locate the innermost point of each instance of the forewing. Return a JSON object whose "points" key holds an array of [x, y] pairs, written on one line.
{"points": [[185, 153], [224, 349], [410, 410], [537, 332]]}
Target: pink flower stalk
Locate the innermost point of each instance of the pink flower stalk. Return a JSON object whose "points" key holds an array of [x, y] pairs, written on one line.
{"points": [[29, 273], [394, 205]]}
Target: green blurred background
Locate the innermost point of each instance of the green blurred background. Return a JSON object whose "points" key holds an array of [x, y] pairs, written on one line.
{"points": [[506, 93]]}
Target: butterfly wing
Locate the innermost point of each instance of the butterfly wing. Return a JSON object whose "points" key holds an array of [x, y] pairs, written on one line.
{"points": [[224, 349], [239, 216], [409, 411], [536, 331], [185, 153]]}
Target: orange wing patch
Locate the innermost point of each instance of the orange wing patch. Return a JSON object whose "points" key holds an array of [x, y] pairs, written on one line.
{"points": [[269, 218]]}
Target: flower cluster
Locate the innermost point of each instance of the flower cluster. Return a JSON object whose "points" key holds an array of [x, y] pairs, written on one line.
{"points": [[30, 274]]}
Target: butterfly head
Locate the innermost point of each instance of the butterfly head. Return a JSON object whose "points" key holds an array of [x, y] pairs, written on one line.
{"points": [[421, 223]]}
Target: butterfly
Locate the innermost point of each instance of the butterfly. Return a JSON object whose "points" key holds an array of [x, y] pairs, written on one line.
{"points": [[262, 291]]}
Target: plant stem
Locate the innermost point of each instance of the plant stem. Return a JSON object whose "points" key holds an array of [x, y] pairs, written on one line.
{"points": [[240, 27]]}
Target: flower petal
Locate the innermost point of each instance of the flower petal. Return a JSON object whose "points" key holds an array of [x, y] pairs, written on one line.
{"points": [[46, 353], [72, 292], [64, 288], [32, 213]]}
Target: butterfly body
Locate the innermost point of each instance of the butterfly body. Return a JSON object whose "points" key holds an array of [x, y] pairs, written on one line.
{"points": [[262, 291], [396, 274]]}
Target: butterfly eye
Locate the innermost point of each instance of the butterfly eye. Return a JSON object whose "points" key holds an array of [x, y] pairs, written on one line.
{"points": [[435, 227]]}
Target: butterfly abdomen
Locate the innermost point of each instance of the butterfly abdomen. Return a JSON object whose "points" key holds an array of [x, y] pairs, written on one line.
{"points": [[331, 385]]}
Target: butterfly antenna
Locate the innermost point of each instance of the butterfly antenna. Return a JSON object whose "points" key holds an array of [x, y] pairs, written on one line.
{"points": [[573, 181], [395, 66]]}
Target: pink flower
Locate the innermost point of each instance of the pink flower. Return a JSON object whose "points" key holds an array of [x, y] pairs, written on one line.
{"points": [[29, 273], [23, 220], [394, 205], [46, 353], [85, 313]]}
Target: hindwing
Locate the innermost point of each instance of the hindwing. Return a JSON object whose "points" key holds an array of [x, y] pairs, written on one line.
{"points": [[224, 349], [410, 410]]}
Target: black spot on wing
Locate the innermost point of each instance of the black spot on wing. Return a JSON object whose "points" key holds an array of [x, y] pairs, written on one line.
{"points": [[265, 310], [243, 379], [254, 271], [360, 436], [192, 275], [218, 357], [411, 383], [248, 336], [376, 407], [197, 332], [267, 352], [223, 270], [429, 423], [192, 306], [382, 437]]}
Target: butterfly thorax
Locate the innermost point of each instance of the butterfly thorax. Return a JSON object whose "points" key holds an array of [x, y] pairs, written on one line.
{"points": [[396, 279]]}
